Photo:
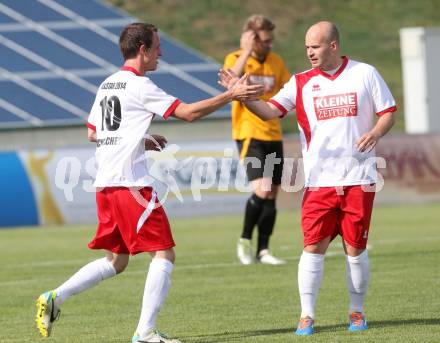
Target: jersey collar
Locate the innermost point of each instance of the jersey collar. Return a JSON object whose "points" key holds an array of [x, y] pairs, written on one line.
{"points": [[338, 72], [134, 71]]}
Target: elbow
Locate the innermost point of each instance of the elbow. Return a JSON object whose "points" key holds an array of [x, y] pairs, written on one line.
{"points": [[190, 117], [391, 120], [186, 113], [91, 137]]}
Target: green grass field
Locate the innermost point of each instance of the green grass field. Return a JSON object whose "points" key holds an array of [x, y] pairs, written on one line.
{"points": [[214, 299]]}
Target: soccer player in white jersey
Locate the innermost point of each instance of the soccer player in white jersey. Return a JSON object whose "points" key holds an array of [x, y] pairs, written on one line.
{"points": [[130, 218], [335, 102]]}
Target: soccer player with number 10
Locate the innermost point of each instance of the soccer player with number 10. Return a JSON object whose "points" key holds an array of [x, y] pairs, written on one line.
{"points": [[130, 218]]}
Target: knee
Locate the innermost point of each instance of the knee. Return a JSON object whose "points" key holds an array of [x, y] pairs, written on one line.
{"points": [[352, 251], [313, 249], [319, 247], [120, 264], [265, 195], [265, 189], [119, 267], [355, 252], [171, 255], [167, 254]]}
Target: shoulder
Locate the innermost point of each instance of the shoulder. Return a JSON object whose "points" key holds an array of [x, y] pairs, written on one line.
{"points": [[145, 83], [308, 72], [109, 78], [233, 54], [306, 75], [114, 81], [299, 80], [360, 67], [141, 87]]}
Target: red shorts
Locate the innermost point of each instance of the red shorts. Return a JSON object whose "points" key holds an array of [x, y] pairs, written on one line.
{"points": [[131, 221], [326, 213]]}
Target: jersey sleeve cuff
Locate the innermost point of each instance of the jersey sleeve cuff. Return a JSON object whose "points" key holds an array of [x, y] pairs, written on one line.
{"points": [[279, 106], [91, 126], [388, 110], [171, 109]]}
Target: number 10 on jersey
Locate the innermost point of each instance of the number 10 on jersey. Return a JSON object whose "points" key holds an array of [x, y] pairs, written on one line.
{"points": [[111, 113]]}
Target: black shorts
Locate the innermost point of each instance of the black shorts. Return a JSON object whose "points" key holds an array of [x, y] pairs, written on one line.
{"points": [[266, 152]]}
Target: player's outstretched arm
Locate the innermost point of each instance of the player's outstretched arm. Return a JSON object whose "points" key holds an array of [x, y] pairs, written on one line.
{"points": [[199, 109], [262, 109]]}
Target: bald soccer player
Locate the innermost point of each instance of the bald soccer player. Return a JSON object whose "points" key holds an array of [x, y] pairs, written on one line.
{"points": [[336, 103]]}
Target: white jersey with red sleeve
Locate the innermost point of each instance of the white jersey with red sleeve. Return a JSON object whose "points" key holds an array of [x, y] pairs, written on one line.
{"points": [[333, 112], [124, 107]]}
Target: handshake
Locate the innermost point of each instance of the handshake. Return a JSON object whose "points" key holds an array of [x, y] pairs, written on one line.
{"points": [[240, 87]]}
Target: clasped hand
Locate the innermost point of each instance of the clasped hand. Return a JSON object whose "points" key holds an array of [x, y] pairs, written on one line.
{"points": [[241, 89]]}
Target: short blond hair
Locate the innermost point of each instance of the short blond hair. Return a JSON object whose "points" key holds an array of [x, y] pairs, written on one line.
{"points": [[258, 22]]}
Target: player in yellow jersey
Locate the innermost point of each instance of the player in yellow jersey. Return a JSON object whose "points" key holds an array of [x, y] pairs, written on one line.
{"points": [[259, 142]]}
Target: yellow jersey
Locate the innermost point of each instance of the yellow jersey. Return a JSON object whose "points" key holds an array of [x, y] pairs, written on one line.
{"points": [[273, 74]]}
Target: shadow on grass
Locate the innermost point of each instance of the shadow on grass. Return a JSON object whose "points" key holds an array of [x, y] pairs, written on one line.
{"points": [[397, 322], [237, 336], [375, 324]]}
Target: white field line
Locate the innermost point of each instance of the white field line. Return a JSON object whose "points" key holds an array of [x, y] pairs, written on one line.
{"points": [[20, 113], [80, 262], [57, 38], [43, 93], [332, 245], [115, 39], [53, 68], [380, 242], [129, 272]]}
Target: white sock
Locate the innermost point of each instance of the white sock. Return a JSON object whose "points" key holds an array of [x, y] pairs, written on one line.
{"points": [[310, 271], [358, 274], [156, 289], [88, 276]]}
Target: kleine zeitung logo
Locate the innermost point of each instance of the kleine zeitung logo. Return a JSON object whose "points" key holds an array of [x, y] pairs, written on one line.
{"points": [[333, 106]]}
